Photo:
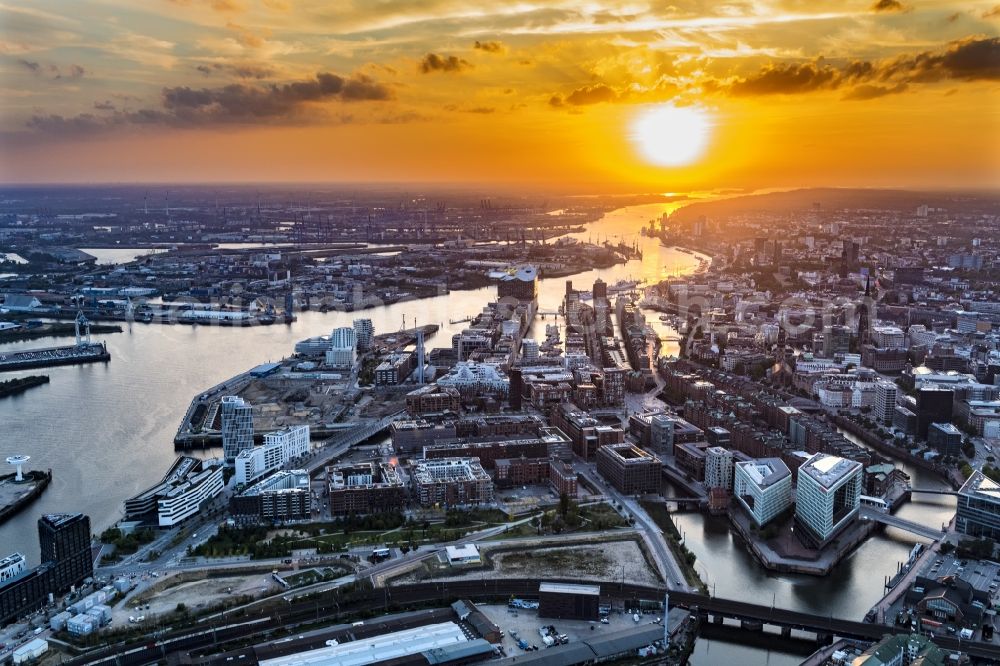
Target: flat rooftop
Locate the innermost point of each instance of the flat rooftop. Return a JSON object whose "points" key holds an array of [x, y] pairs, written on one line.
{"points": [[980, 486], [829, 470], [630, 453], [765, 471], [377, 648], [569, 588]]}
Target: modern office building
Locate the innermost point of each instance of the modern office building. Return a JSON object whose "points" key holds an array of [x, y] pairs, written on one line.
{"points": [[451, 482], [934, 405], [763, 487], [369, 487], [630, 469], [364, 334], [888, 337], [836, 340], [285, 495], [179, 495], [885, 402], [718, 468], [945, 437], [343, 351], [237, 426], [277, 450], [827, 497], [978, 511], [64, 542]]}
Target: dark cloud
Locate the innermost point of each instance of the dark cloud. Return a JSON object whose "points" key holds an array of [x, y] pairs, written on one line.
{"points": [[490, 47], [592, 94], [970, 59], [481, 109], [240, 71], [238, 102], [888, 6], [106, 105], [992, 13], [954, 17], [183, 106], [433, 62], [52, 71], [84, 123], [787, 79], [868, 91]]}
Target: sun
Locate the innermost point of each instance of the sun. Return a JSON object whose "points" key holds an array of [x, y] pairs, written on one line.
{"points": [[671, 136]]}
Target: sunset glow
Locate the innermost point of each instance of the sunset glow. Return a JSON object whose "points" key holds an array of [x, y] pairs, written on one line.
{"points": [[533, 93], [670, 136]]}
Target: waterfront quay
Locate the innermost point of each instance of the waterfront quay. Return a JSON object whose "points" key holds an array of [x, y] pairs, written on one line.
{"points": [[16, 495], [51, 356]]}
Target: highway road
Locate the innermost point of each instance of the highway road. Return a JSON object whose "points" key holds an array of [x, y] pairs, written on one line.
{"points": [[666, 563]]}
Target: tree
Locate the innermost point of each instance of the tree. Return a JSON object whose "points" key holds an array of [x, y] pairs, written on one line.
{"points": [[563, 504]]}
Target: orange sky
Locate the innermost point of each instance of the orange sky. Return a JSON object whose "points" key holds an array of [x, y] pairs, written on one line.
{"points": [[895, 93]]}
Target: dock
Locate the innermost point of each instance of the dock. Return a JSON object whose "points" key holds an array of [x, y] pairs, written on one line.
{"points": [[15, 496], [49, 356]]}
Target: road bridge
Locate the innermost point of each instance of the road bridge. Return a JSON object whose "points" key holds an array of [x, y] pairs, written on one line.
{"points": [[877, 516], [931, 491], [339, 445]]}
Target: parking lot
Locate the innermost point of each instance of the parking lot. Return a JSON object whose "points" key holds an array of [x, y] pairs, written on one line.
{"points": [[526, 623], [980, 574]]}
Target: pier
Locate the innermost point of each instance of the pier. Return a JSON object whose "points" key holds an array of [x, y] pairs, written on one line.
{"points": [[49, 356], [16, 494], [84, 351]]}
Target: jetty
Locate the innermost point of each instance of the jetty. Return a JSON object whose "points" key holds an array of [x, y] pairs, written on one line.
{"points": [[84, 351], [16, 495]]}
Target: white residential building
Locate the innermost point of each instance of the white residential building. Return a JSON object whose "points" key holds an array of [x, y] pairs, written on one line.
{"points": [[186, 498], [343, 348], [184, 488], [885, 401], [827, 496], [11, 567], [718, 468], [763, 487], [237, 426], [278, 448]]}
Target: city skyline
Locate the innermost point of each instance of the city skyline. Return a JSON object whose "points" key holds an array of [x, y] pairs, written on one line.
{"points": [[610, 97]]}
